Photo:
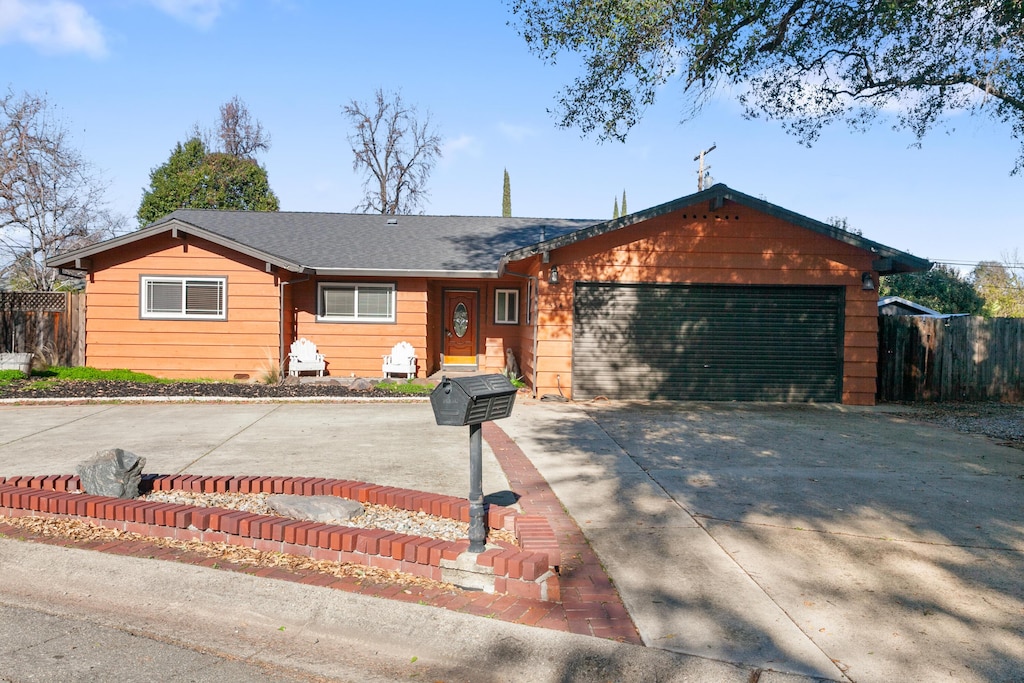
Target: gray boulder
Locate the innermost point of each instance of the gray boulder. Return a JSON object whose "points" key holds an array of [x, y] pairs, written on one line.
{"points": [[113, 472], [360, 384], [324, 509]]}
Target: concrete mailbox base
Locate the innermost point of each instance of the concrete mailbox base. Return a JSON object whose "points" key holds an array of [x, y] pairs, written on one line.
{"points": [[464, 572]]}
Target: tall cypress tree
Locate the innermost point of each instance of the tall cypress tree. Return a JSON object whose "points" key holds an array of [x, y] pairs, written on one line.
{"points": [[506, 198], [615, 211], [624, 212]]}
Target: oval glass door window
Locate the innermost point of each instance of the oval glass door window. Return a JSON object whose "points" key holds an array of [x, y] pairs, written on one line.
{"points": [[460, 319]]}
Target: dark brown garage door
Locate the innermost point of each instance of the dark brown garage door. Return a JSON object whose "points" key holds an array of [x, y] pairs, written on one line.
{"points": [[708, 342]]}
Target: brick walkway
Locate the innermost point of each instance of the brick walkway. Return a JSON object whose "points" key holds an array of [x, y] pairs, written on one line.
{"points": [[589, 604]]}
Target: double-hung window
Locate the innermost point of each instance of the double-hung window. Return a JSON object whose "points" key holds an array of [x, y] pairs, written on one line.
{"points": [[358, 303], [201, 298], [506, 307]]}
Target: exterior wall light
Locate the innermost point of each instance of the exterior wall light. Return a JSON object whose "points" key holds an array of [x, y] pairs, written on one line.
{"points": [[553, 275], [867, 283]]}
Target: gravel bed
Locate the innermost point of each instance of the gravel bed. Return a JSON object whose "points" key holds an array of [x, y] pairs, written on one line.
{"points": [[81, 531], [374, 516], [1003, 422], [73, 389]]}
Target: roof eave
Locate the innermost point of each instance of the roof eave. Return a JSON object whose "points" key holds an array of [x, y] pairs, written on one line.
{"points": [[180, 229], [406, 272]]}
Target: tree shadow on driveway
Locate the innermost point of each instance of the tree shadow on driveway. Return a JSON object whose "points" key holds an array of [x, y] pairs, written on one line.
{"points": [[825, 540]]}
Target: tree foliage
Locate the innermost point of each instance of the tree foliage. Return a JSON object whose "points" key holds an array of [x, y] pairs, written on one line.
{"points": [[193, 178], [942, 288], [395, 150], [50, 198], [625, 211], [1001, 285], [615, 209], [806, 63], [506, 197]]}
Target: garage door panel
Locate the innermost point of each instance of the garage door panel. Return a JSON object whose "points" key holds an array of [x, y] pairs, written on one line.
{"points": [[707, 342]]}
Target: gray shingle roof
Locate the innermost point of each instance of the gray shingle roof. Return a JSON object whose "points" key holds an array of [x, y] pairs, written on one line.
{"points": [[434, 245], [326, 241], [365, 241]]}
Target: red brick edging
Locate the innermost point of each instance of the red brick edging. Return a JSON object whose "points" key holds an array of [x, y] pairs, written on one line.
{"points": [[580, 596], [517, 571]]}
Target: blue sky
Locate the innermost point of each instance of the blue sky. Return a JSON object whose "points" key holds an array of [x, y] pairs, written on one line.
{"points": [[131, 77]]}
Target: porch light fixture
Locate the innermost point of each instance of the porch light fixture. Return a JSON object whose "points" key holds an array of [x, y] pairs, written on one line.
{"points": [[866, 282], [553, 275]]}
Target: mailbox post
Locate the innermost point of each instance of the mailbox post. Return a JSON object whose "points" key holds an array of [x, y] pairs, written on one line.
{"points": [[472, 401]]}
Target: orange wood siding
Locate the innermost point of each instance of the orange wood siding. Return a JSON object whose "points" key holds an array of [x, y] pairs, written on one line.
{"points": [[736, 245], [246, 343], [357, 349], [499, 337]]}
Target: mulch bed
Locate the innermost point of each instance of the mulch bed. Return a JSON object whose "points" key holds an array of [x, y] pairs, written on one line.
{"points": [[225, 390]]}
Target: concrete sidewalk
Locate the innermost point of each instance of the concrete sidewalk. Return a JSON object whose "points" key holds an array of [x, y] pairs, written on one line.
{"points": [[78, 615]]}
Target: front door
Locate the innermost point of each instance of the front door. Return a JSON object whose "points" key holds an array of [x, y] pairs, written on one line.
{"points": [[460, 323]]}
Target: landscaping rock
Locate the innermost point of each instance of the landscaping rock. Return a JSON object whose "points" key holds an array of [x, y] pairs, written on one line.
{"points": [[360, 384], [315, 508], [114, 472]]}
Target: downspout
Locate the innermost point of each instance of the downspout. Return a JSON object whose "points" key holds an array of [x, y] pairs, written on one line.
{"points": [[280, 357], [536, 314]]}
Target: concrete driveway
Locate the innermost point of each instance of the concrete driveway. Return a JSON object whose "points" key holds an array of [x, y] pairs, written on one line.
{"points": [[837, 542], [398, 444]]}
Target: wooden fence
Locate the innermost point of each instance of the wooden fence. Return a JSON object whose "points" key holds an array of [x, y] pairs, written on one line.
{"points": [[950, 359], [49, 324]]}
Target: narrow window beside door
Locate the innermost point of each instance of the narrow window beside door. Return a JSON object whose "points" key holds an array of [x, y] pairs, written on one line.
{"points": [[506, 307]]}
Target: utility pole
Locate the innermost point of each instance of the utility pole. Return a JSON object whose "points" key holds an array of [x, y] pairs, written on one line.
{"points": [[702, 171]]}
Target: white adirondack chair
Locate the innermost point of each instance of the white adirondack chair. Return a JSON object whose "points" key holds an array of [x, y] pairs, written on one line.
{"points": [[401, 360], [304, 358]]}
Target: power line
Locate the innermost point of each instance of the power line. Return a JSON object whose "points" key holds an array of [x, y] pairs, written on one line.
{"points": [[975, 264]]}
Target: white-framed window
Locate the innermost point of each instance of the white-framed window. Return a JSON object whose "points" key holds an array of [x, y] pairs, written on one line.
{"points": [[359, 303], [200, 298], [506, 307]]}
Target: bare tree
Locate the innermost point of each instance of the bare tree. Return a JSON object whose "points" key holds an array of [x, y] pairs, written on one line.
{"points": [[395, 150], [50, 199], [237, 134], [240, 135]]}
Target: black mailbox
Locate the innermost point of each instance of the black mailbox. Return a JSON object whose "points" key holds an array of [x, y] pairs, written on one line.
{"points": [[472, 400]]}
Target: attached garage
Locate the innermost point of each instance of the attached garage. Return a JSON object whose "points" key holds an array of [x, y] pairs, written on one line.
{"points": [[718, 296], [708, 342]]}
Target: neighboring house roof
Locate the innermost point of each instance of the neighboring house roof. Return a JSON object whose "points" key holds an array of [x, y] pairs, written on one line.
{"points": [[888, 260], [897, 305], [431, 246]]}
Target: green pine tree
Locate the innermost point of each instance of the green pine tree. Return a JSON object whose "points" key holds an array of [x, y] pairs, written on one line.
{"points": [[506, 198], [624, 212], [615, 211], [193, 178]]}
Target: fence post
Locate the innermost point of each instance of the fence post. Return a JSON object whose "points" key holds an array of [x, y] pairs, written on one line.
{"points": [[78, 329]]}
